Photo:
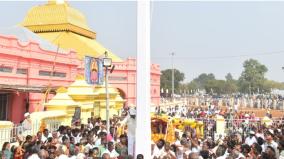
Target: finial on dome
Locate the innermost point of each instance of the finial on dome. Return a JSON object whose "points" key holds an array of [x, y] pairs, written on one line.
{"points": [[61, 90], [56, 1]]}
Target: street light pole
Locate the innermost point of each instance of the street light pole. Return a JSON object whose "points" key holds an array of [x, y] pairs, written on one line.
{"points": [[107, 62], [107, 100], [173, 76]]}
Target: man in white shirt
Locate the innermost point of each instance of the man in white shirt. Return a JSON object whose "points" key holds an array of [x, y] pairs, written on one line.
{"points": [[27, 124], [111, 151], [62, 133], [102, 136], [45, 135], [181, 148], [281, 149], [259, 134], [90, 124], [236, 107], [34, 156], [168, 152], [251, 138], [177, 137], [130, 120], [270, 142], [159, 149], [76, 135], [89, 145]]}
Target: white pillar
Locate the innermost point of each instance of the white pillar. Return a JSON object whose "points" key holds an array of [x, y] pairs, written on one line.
{"points": [[143, 128]]}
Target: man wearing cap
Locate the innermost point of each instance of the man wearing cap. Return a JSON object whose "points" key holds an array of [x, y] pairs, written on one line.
{"points": [[251, 138], [130, 120], [27, 124]]}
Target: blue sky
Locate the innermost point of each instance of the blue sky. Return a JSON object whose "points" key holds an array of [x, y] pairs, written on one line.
{"points": [[207, 37]]}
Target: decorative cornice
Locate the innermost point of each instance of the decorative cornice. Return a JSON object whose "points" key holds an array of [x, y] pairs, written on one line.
{"points": [[62, 27]]}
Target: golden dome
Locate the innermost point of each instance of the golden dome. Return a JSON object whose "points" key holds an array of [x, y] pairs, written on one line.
{"points": [[65, 27], [101, 90], [81, 88], [57, 16]]}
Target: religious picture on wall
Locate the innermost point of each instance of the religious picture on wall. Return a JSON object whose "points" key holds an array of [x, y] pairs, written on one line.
{"points": [[100, 79], [94, 70], [88, 62]]}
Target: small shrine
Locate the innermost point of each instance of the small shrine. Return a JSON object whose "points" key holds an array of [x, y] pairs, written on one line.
{"points": [[83, 93], [115, 101], [91, 100], [62, 102]]}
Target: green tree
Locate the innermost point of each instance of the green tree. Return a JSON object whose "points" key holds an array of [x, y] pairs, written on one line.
{"points": [[230, 85], [166, 79], [270, 84], [252, 77], [229, 77], [203, 79], [192, 86], [214, 86]]}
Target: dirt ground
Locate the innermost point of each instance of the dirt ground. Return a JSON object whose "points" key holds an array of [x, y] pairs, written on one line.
{"points": [[258, 111], [261, 112]]}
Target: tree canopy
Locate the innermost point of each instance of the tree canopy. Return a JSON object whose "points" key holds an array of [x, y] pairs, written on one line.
{"points": [[252, 80], [166, 79], [203, 79]]}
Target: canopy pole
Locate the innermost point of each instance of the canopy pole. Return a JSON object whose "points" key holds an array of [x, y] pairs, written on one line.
{"points": [[143, 125]]}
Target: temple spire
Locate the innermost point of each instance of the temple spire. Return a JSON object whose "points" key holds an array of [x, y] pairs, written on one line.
{"points": [[57, 2], [56, 16]]}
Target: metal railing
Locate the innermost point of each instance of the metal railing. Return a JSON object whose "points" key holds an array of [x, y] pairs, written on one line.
{"points": [[242, 126], [11, 134]]}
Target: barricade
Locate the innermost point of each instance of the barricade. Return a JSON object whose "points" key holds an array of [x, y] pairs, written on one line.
{"points": [[242, 126], [209, 127], [13, 132]]}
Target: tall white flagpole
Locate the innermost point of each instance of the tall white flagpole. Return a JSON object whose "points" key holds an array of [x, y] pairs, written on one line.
{"points": [[143, 125]]}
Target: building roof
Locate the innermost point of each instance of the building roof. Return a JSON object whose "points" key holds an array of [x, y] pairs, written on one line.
{"points": [[55, 16], [82, 45], [65, 26], [24, 35], [23, 88]]}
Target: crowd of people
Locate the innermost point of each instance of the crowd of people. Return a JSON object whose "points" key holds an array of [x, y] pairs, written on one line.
{"points": [[183, 111], [248, 137], [264, 101], [90, 140], [93, 140], [265, 144]]}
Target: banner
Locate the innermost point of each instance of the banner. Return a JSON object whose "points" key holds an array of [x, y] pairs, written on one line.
{"points": [[100, 78], [94, 71], [88, 62]]}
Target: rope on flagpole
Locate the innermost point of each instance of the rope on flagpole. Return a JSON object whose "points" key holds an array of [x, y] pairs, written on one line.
{"points": [[52, 72]]}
